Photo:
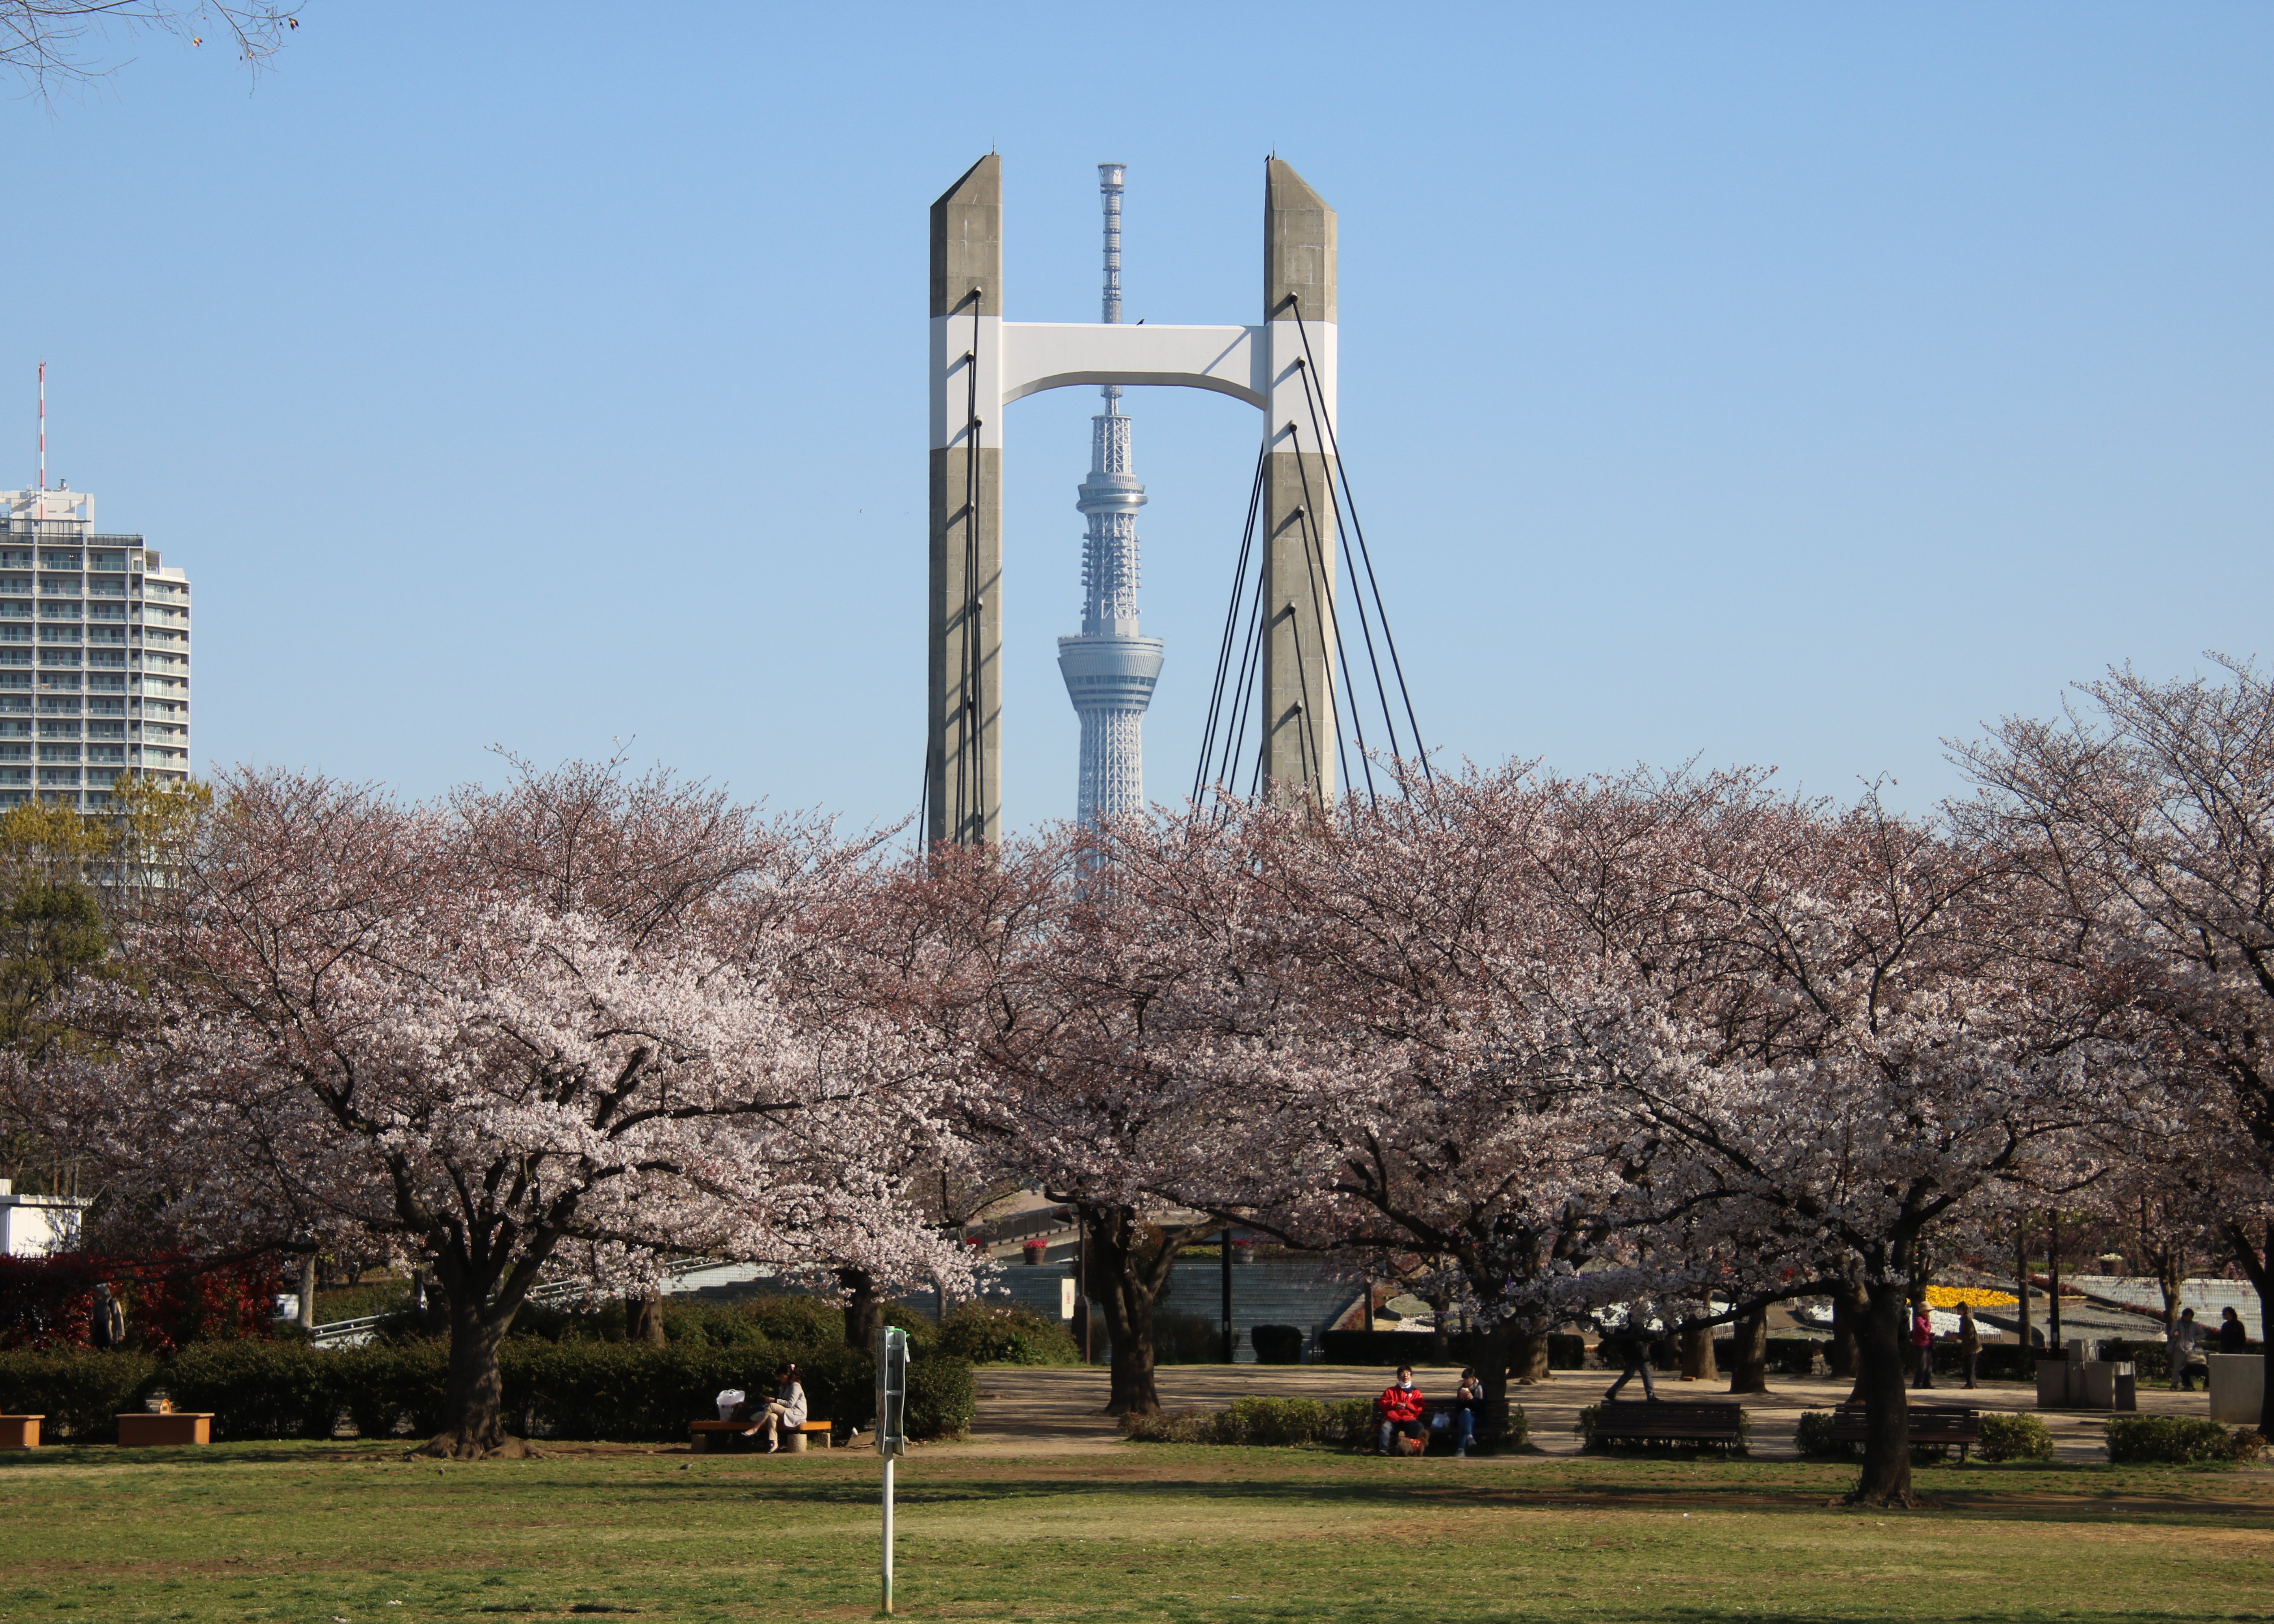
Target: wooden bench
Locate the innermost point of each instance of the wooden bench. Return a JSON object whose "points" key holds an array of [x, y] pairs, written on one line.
{"points": [[1668, 1422], [20, 1432], [710, 1437], [1932, 1426], [148, 1429]]}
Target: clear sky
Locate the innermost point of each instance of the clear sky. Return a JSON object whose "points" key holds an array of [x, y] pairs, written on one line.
{"points": [[1790, 384]]}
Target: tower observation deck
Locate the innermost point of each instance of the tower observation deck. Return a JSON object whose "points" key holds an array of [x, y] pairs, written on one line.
{"points": [[1111, 666]]}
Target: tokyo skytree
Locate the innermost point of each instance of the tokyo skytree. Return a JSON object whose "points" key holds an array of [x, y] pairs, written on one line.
{"points": [[1109, 668]]}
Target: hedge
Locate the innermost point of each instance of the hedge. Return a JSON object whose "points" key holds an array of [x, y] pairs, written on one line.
{"points": [[1277, 1344], [2006, 1437], [80, 1391], [1003, 1333], [1350, 1422], [2179, 1441], [1565, 1351], [625, 1391]]}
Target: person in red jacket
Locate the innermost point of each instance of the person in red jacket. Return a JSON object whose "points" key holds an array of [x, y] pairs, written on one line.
{"points": [[1401, 1407], [1923, 1345]]}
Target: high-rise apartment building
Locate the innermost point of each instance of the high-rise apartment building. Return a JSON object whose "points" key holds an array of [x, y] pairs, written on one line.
{"points": [[95, 655]]}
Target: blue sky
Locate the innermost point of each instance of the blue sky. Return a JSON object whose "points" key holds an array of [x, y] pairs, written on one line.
{"points": [[1788, 384]]}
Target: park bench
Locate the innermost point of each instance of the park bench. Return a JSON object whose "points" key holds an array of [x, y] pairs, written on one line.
{"points": [[147, 1429], [1669, 1423], [708, 1437], [1932, 1426]]}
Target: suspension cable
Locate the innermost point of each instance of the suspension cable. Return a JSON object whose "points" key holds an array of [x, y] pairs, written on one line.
{"points": [[1358, 598], [1316, 564], [1365, 552], [1230, 626]]}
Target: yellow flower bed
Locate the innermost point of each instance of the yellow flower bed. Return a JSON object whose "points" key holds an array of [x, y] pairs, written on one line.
{"points": [[1969, 1297]]}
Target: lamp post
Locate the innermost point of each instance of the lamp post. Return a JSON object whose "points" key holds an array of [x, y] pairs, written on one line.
{"points": [[1225, 1261]]}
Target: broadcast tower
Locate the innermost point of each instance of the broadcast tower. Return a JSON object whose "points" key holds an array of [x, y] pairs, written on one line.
{"points": [[1109, 668]]}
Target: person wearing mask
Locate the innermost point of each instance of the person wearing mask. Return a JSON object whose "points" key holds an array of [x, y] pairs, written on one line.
{"points": [[2187, 1356], [2232, 1336], [1468, 1404], [1923, 1345], [1401, 1408], [785, 1409], [1970, 1341]]}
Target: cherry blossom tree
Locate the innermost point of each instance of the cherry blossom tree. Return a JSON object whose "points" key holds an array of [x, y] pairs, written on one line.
{"points": [[572, 1026], [1864, 1047], [2146, 818]]}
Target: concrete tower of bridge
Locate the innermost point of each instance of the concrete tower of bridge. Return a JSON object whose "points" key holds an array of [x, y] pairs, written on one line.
{"points": [[1284, 365]]}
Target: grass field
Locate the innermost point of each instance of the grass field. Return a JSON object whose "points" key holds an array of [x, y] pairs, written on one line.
{"points": [[346, 1531]]}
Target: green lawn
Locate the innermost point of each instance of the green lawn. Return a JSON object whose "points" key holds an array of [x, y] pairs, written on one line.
{"points": [[350, 1532]]}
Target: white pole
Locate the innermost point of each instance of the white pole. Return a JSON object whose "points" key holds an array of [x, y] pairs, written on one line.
{"points": [[888, 1533]]}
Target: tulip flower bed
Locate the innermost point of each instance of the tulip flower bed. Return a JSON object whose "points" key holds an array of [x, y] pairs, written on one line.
{"points": [[309, 1530]]}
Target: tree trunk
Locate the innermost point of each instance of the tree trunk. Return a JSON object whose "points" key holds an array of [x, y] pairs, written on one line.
{"points": [[1527, 1357], [2260, 1268], [306, 1317], [1839, 1357], [864, 1310], [474, 1393], [1125, 1289], [1499, 1352], [644, 1318], [1749, 1358], [1440, 1349], [1697, 1344], [1877, 1315]]}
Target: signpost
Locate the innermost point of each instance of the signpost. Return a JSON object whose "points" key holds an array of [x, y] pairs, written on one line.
{"points": [[892, 1425]]}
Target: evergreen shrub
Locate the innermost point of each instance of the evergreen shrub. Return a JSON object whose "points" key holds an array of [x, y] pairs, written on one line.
{"points": [[2171, 1441], [1005, 1333], [1277, 1344], [2006, 1437], [80, 1390]]}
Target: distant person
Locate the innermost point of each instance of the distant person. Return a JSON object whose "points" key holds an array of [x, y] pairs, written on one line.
{"points": [[2187, 1352], [785, 1409], [1923, 1345], [1468, 1404], [1630, 1344], [1401, 1408], [2232, 1338], [1969, 1343]]}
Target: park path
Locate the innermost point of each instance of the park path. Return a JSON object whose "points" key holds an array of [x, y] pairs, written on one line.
{"points": [[1053, 1410]]}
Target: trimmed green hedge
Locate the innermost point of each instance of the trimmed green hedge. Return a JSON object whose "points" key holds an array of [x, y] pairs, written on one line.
{"points": [[2007, 1437], [80, 1391], [1349, 1423], [1005, 1333], [624, 1391], [1277, 1344], [1565, 1350], [2177, 1440]]}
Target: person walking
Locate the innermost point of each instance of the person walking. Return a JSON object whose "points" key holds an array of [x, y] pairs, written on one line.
{"points": [[2187, 1359], [1923, 1345], [1970, 1341], [1630, 1343]]}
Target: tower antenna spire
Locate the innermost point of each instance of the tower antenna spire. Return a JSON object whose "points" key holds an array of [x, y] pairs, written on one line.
{"points": [[43, 426]]}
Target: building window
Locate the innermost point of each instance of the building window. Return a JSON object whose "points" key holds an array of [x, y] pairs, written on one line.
{"points": [[59, 753], [59, 775]]}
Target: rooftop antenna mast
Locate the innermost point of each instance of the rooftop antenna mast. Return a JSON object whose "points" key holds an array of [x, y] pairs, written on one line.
{"points": [[43, 426]]}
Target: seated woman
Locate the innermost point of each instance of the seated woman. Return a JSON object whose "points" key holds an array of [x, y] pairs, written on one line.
{"points": [[785, 1409], [1468, 1404]]}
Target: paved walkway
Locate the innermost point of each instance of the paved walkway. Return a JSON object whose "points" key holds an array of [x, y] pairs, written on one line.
{"points": [[1054, 1411]]}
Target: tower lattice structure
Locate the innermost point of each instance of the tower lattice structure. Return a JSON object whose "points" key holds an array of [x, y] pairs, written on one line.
{"points": [[1111, 666]]}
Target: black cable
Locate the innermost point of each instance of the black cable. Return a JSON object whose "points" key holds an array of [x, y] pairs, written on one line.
{"points": [[1367, 554], [1358, 598], [1230, 626], [1322, 615], [1246, 700], [1330, 623]]}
